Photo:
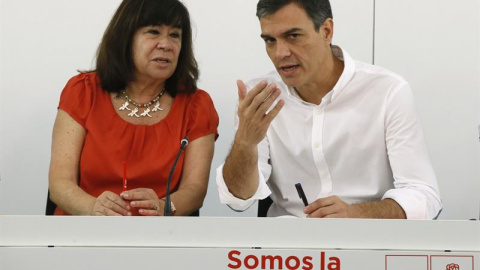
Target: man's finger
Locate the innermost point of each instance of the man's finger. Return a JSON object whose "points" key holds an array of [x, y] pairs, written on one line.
{"points": [[267, 103], [242, 90], [274, 112], [317, 204], [323, 211], [262, 96], [249, 97]]}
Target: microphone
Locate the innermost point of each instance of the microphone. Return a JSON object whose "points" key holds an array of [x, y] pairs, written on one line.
{"points": [[167, 210], [184, 142]]}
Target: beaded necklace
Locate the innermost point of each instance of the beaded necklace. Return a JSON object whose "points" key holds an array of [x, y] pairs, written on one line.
{"points": [[137, 106]]}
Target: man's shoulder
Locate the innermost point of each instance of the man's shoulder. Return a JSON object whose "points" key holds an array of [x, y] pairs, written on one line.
{"points": [[374, 72]]}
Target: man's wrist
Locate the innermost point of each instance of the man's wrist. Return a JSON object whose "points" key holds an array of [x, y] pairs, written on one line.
{"points": [[244, 147]]}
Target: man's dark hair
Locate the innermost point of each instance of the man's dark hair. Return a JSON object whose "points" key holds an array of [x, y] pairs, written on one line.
{"points": [[317, 10], [115, 65]]}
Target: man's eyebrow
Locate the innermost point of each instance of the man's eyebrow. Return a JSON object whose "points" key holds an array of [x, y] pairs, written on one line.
{"points": [[292, 30], [286, 33], [265, 36]]}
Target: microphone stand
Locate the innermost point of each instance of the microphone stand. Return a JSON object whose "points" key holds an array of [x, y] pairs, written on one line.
{"points": [[167, 210]]}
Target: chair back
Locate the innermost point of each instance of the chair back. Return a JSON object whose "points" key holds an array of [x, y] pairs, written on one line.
{"points": [[263, 206], [51, 206]]}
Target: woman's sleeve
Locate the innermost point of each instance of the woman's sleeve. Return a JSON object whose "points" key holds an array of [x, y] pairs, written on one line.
{"points": [[77, 98], [203, 118]]}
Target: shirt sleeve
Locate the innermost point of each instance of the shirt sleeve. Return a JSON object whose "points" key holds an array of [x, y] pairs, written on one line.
{"points": [[203, 118], [77, 98], [264, 171], [416, 188]]}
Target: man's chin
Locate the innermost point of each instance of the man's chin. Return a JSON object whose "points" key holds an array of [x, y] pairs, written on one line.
{"points": [[289, 81]]}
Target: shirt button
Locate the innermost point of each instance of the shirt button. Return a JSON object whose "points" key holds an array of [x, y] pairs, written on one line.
{"points": [[319, 112], [324, 175], [316, 145]]}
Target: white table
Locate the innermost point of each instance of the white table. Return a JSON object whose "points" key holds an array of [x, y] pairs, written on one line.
{"points": [[39, 242]]}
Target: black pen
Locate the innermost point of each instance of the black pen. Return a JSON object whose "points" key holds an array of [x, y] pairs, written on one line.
{"points": [[301, 193]]}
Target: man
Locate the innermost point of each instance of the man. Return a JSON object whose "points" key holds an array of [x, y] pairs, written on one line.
{"points": [[346, 130]]}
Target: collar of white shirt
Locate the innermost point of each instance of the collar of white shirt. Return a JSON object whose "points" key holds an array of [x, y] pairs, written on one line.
{"points": [[346, 76]]}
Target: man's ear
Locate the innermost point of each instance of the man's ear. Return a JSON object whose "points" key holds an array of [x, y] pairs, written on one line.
{"points": [[326, 30]]}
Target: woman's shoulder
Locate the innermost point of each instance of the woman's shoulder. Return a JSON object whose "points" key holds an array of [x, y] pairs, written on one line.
{"points": [[200, 96], [85, 83], [79, 95], [197, 101], [201, 116], [87, 78]]}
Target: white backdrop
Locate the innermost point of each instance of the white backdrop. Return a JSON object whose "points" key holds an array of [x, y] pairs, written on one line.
{"points": [[43, 43], [436, 48]]}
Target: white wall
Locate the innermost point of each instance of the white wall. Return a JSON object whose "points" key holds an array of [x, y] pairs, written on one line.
{"points": [[1, 91], [434, 44], [45, 42]]}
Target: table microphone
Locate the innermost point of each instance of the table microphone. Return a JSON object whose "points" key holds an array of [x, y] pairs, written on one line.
{"points": [[167, 210]]}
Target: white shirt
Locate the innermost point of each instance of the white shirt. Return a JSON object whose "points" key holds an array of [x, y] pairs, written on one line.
{"points": [[364, 142]]}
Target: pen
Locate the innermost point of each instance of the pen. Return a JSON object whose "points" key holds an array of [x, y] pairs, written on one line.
{"points": [[133, 210], [301, 193], [124, 175]]}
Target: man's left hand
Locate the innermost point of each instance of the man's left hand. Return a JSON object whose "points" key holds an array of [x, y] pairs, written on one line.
{"points": [[334, 207], [329, 207]]}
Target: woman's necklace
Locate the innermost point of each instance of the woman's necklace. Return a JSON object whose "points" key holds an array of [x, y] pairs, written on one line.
{"points": [[133, 111]]}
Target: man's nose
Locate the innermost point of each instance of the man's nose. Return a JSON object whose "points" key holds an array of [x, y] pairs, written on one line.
{"points": [[282, 50]]}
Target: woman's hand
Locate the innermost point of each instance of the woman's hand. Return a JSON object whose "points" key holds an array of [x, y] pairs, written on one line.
{"points": [[110, 204], [145, 200]]}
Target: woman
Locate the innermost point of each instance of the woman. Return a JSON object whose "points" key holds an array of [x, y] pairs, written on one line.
{"points": [[127, 118]]}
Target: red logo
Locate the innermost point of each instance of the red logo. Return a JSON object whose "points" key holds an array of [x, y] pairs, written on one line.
{"points": [[452, 266]]}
